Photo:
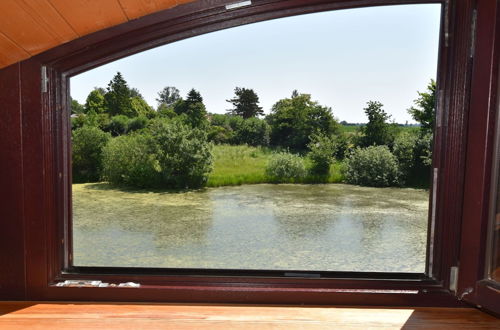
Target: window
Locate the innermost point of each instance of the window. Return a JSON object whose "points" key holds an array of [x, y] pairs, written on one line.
{"points": [[49, 239], [309, 105]]}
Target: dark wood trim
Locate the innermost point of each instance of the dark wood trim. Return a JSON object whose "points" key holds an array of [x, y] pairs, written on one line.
{"points": [[13, 274], [481, 142], [47, 174]]}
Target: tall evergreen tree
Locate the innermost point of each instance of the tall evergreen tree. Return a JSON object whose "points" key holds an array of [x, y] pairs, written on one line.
{"points": [[245, 103], [193, 108], [117, 98]]}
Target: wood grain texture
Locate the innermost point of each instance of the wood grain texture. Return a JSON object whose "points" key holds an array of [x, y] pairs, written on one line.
{"points": [[29, 27], [12, 271], [22, 29], [47, 16], [137, 8], [10, 52], [86, 16], [16, 315]]}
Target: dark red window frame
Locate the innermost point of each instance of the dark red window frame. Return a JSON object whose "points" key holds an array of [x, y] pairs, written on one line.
{"points": [[47, 174]]}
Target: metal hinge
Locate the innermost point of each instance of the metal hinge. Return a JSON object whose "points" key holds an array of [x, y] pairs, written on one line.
{"points": [[44, 80], [453, 279], [473, 33]]}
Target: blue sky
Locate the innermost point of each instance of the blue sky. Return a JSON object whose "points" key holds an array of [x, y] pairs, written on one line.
{"points": [[342, 58]]}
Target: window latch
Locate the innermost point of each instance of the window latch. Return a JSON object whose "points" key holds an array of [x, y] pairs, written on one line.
{"points": [[454, 279]]}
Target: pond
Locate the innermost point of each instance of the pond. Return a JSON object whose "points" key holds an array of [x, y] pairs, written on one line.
{"points": [[324, 227]]}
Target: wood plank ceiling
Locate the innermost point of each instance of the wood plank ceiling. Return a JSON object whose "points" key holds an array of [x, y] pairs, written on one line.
{"points": [[29, 27]]}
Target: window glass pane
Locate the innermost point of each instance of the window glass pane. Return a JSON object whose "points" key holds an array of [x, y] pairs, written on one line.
{"points": [[302, 143]]}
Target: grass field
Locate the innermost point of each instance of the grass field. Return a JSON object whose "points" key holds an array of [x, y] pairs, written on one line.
{"points": [[235, 165]]}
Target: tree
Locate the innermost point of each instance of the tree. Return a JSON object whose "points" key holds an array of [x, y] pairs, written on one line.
{"points": [[294, 120], [87, 144], [193, 109], [118, 97], [134, 92], [377, 131], [245, 103], [95, 101], [424, 111], [76, 108], [168, 96], [140, 107]]}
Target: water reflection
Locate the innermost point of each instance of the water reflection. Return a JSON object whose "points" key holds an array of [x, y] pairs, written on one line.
{"points": [[316, 227]]}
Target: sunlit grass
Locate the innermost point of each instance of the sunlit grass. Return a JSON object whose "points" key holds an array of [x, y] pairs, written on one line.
{"points": [[236, 165]]}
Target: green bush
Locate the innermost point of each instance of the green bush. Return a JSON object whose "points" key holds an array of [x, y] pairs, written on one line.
{"points": [[184, 154], [132, 160], [220, 134], [87, 143], [322, 148], [137, 123], [404, 146], [251, 131], [285, 166], [118, 125], [373, 166]]}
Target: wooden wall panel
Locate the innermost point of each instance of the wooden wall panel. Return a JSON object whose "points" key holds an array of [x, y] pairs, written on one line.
{"points": [[33, 174], [20, 27], [12, 268], [87, 16]]}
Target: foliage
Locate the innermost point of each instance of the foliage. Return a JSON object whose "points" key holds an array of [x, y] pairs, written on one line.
{"points": [[88, 143], [284, 166], [220, 134], [140, 107], [118, 125], [184, 154], [245, 103], [251, 131], [413, 151], [117, 99], [373, 166], [168, 96], [76, 108], [295, 119], [132, 160], [377, 131], [322, 149], [137, 123], [166, 111], [95, 102], [193, 109], [424, 111], [403, 150]]}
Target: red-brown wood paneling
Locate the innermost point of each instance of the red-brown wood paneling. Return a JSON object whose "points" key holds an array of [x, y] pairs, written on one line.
{"points": [[12, 268]]}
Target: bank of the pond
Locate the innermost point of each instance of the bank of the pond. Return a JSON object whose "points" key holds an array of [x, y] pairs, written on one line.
{"points": [[323, 227], [236, 165]]}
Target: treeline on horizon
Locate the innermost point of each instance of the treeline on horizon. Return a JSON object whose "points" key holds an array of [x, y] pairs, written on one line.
{"points": [[378, 153]]}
